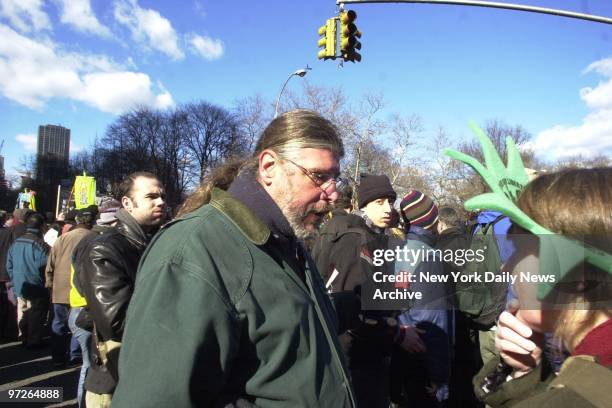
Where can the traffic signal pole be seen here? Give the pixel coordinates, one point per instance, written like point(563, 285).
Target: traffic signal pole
point(490, 4)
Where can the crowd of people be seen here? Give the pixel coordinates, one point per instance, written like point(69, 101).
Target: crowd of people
point(259, 291)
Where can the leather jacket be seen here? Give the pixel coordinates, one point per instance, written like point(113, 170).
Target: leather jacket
point(108, 274)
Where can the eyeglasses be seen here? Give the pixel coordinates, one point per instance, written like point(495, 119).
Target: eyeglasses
point(321, 180)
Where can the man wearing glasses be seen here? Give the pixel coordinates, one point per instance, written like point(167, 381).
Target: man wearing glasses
point(229, 309)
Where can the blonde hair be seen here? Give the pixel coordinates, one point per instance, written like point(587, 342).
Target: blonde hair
point(576, 203)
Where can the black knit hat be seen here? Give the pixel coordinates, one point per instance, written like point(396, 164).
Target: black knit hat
point(374, 187)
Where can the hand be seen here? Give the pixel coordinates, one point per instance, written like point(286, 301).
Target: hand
point(518, 345)
point(49, 284)
point(411, 342)
point(432, 389)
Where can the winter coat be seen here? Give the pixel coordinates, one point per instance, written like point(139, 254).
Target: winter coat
point(57, 273)
point(223, 312)
point(583, 380)
point(78, 255)
point(453, 239)
point(346, 245)
point(434, 312)
point(107, 278)
point(25, 263)
point(109, 272)
point(6, 239)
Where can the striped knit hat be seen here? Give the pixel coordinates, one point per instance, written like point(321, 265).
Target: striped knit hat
point(419, 209)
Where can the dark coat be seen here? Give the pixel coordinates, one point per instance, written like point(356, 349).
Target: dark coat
point(6, 239)
point(339, 247)
point(453, 238)
point(582, 382)
point(107, 276)
point(219, 314)
point(434, 312)
point(346, 244)
point(7, 236)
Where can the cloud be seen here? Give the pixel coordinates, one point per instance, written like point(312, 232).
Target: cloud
point(208, 48)
point(149, 26)
point(28, 141)
point(602, 67)
point(199, 8)
point(33, 72)
point(78, 13)
point(25, 14)
point(594, 135)
point(130, 89)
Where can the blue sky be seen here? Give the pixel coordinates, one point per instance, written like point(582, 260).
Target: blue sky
point(80, 63)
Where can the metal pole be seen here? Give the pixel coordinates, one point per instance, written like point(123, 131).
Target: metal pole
point(59, 190)
point(281, 93)
point(508, 6)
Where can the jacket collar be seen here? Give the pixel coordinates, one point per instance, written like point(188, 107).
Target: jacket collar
point(246, 189)
point(129, 228)
point(246, 221)
point(452, 231)
point(368, 223)
point(417, 233)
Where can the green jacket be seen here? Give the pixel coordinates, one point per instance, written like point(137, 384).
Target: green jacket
point(218, 315)
point(581, 382)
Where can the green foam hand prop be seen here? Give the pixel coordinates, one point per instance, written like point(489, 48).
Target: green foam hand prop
point(558, 254)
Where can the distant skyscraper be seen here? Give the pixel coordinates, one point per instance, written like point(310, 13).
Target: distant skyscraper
point(3, 182)
point(54, 141)
point(52, 154)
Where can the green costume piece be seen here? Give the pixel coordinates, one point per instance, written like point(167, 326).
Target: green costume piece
point(558, 254)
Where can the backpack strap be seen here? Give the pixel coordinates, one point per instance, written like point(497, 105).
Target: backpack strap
point(485, 227)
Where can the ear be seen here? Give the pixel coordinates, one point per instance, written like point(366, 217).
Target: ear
point(269, 166)
point(126, 202)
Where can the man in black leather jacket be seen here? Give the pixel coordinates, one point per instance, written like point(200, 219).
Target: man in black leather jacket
point(109, 271)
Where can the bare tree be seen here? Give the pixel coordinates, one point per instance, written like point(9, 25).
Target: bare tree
point(497, 132)
point(252, 115)
point(366, 132)
point(403, 131)
point(581, 162)
point(211, 136)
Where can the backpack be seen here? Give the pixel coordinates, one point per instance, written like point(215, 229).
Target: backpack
point(482, 302)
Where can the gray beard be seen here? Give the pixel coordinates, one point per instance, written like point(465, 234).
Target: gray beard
point(295, 218)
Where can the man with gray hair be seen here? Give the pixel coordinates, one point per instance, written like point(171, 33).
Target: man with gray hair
point(229, 309)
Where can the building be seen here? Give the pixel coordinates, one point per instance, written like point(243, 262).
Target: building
point(54, 141)
point(3, 182)
point(52, 153)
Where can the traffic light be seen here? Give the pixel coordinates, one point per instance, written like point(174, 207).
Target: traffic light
point(348, 36)
point(328, 40)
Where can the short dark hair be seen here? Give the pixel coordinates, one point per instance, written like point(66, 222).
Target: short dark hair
point(126, 186)
point(449, 216)
point(34, 220)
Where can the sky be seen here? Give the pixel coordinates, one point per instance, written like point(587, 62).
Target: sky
point(81, 63)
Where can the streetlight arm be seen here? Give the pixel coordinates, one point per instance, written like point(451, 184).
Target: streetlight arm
point(281, 93)
point(491, 4)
